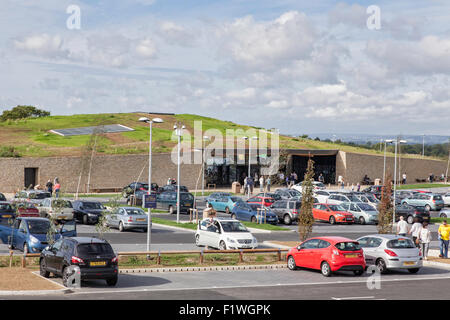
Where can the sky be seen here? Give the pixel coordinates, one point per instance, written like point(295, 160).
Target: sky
point(303, 67)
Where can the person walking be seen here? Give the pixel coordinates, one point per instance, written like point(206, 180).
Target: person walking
point(250, 183)
point(404, 178)
point(414, 232)
point(444, 236)
point(49, 186)
point(321, 178)
point(56, 188)
point(358, 187)
point(261, 184)
point(268, 183)
point(424, 237)
point(245, 185)
point(402, 227)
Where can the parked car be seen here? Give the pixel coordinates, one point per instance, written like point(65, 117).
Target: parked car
point(172, 188)
point(95, 258)
point(87, 211)
point(168, 201)
point(254, 213)
point(362, 212)
point(444, 213)
point(58, 209)
point(374, 190)
point(368, 198)
point(6, 211)
point(288, 194)
point(446, 199)
point(273, 195)
point(332, 213)
point(327, 254)
point(339, 198)
point(286, 210)
point(316, 186)
point(126, 218)
point(224, 234)
point(388, 251)
point(133, 187)
point(430, 201)
point(266, 201)
point(222, 201)
point(29, 234)
point(410, 212)
point(322, 195)
point(26, 209)
point(34, 196)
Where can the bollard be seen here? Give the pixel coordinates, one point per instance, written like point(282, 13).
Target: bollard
point(241, 256)
point(158, 261)
point(279, 254)
point(24, 261)
point(10, 257)
point(201, 257)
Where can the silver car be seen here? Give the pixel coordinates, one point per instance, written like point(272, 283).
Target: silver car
point(362, 212)
point(388, 251)
point(125, 218)
point(444, 213)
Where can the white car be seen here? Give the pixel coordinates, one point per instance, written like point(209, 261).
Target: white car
point(322, 195)
point(316, 184)
point(49, 208)
point(446, 198)
point(340, 198)
point(224, 234)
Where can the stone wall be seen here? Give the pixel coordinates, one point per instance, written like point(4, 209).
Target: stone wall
point(108, 171)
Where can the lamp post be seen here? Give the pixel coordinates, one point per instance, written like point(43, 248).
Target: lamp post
point(205, 138)
point(384, 166)
point(423, 145)
point(249, 157)
point(149, 219)
point(397, 142)
point(178, 127)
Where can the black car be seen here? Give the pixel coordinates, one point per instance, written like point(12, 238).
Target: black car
point(173, 187)
point(95, 258)
point(138, 186)
point(87, 211)
point(410, 212)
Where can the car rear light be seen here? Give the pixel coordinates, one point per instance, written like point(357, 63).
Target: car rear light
point(391, 253)
point(130, 219)
point(76, 260)
point(295, 212)
point(114, 260)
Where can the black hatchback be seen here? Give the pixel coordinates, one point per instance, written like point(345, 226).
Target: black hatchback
point(95, 257)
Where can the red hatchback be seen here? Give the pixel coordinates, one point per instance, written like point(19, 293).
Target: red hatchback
point(26, 209)
point(267, 201)
point(328, 254)
point(331, 213)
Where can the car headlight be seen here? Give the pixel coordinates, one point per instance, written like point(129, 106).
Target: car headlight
point(339, 215)
point(231, 240)
point(255, 240)
point(34, 240)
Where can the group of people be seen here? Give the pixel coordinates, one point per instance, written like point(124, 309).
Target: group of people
point(52, 187)
point(421, 235)
point(171, 181)
point(249, 184)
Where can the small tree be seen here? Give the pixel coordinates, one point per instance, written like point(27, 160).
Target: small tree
point(58, 206)
point(306, 218)
point(385, 208)
point(111, 207)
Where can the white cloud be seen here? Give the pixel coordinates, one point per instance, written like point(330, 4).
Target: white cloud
point(41, 45)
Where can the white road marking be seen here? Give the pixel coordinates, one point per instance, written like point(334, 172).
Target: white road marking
point(353, 298)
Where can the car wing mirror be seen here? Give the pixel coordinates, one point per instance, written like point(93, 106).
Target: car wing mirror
point(299, 247)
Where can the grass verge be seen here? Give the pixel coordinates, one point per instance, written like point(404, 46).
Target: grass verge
point(422, 185)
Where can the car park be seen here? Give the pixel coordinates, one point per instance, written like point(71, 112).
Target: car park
point(168, 201)
point(87, 212)
point(430, 201)
point(224, 234)
point(221, 201)
point(409, 212)
point(30, 234)
point(26, 209)
point(327, 254)
point(58, 209)
point(262, 201)
point(362, 212)
point(95, 258)
point(254, 213)
point(126, 218)
point(34, 196)
point(286, 210)
point(388, 251)
point(332, 213)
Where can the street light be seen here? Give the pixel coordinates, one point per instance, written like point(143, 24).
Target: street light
point(397, 142)
point(249, 156)
point(149, 220)
point(178, 127)
point(384, 166)
point(205, 138)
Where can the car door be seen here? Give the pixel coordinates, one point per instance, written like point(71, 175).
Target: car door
point(21, 236)
point(305, 254)
point(370, 246)
point(51, 253)
point(320, 254)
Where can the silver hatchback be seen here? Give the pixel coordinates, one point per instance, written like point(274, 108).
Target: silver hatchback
point(388, 251)
point(125, 218)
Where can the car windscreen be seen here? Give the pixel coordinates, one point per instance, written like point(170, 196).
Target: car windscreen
point(366, 207)
point(295, 205)
point(348, 246)
point(134, 212)
point(233, 226)
point(92, 205)
point(38, 226)
point(402, 243)
point(294, 193)
point(64, 203)
point(336, 207)
point(6, 207)
point(235, 199)
point(87, 249)
point(40, 195)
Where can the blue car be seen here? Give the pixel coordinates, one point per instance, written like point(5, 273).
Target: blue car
point(30, 234)
point(254, 213)
point(222, 201)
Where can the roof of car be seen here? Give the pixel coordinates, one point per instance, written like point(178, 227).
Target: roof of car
point(334, 239)
point(384, 236)
point(129, 208)
point(88, 240)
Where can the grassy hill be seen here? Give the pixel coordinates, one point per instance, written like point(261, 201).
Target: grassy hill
point(31, 137)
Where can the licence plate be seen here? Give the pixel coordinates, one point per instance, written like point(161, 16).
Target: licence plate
point(409, 263)
point(351, 255)
point(188, 204)
point(62, 217)
point(349, 219)
point(6, 216)
point(140, 219)
point(97, 263)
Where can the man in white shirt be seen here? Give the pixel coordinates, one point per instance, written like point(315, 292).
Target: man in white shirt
point(415, 229)
point(402, 227)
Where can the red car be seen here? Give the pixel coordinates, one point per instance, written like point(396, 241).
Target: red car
point(26, 209)
point(267, 201)
point(332, 213)
point(328, 254)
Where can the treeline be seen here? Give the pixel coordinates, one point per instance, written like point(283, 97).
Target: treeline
point(23, 112)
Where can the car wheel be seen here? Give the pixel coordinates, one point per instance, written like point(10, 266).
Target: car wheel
point(443, 215)
point(227, 210)
point(112, 282)
point(325, 269)
point(121, 226)
point(171, 210)
point(358, 272)
point(332, 220)
point(253, 219)
point(43, 269)
point(410, 219)
point(233, 216)
point(222, 245)
point(362, 220)
point(287, 219)
point(85, 219)
point(291, 263)
point(381, 265)
point(427, 207)
point(414, 270)
point(65, 277)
